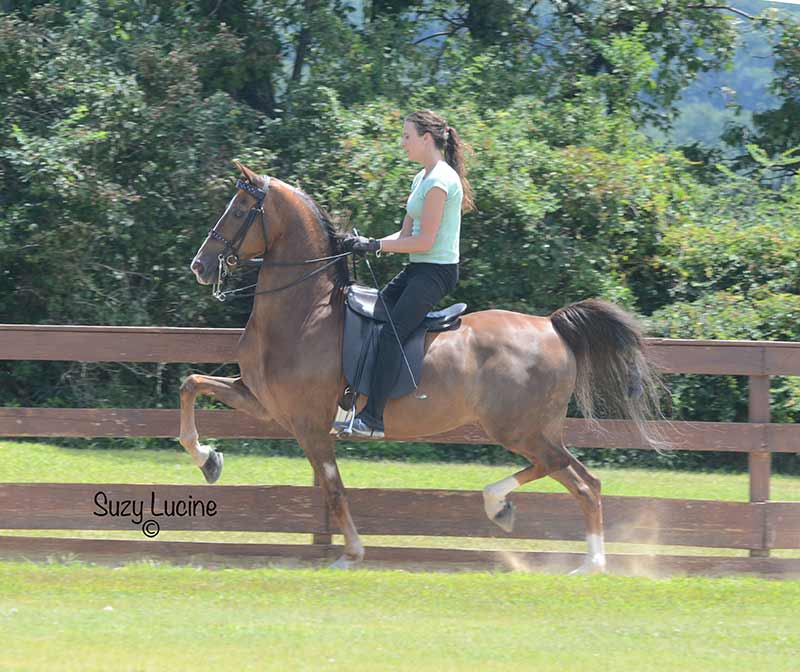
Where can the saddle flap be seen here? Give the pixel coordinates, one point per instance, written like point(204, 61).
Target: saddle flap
point(359, 347)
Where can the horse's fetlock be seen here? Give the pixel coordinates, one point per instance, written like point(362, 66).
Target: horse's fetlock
point(355, 553)
point(492, 502)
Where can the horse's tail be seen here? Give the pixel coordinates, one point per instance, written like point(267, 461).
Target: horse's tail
point(613, 369)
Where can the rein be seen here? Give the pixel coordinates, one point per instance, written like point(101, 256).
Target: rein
point(223, 295)
point(229, 257)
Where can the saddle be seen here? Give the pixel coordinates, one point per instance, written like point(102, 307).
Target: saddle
point(364, 317)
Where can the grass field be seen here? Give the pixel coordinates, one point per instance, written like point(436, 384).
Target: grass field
point(37, 462)
point(144, 617)
point(67, 615)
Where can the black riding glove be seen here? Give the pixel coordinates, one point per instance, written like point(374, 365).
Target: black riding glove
point(348, 241)
point(367, 245)
point(360, 244)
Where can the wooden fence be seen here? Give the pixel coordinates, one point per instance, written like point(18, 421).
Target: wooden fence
point(758, 525)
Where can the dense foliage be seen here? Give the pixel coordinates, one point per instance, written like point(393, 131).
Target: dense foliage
point(121, 118)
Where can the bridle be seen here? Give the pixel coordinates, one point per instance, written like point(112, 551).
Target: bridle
point(230, 254)
point(229, 257)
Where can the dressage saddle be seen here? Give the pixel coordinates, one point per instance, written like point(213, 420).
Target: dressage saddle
point(364, 317)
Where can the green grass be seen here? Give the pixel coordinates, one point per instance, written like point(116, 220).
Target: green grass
point(32, 462)
point(180, 618)
point(149, 616)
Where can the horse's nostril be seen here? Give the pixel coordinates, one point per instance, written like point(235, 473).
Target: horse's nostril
point(197, 267)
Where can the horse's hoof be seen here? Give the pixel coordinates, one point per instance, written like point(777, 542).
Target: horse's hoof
point(343, 563)
point(213, 466)
point(505, 518)
point(589, 567)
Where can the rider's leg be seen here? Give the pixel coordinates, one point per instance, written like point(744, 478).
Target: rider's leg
point(394, 288)
point(424, 289)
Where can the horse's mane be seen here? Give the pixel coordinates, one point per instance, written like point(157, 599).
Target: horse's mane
point(335, 235)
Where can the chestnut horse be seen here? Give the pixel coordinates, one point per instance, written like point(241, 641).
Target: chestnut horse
point(509, 373)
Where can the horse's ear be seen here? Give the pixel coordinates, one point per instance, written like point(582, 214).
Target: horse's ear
point(248, 174)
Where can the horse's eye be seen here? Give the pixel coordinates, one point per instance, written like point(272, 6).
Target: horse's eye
point(238, 212)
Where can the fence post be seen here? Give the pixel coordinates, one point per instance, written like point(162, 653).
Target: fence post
point(323, 539)
point(760, 459)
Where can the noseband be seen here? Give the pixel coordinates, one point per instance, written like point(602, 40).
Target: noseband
point(229, 257)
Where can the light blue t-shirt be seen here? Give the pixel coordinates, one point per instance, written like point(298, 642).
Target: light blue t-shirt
point(445, 246)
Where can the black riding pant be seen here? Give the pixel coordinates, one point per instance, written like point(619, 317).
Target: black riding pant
point(410, 295)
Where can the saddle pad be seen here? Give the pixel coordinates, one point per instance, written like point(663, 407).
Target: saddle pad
point(361, 337)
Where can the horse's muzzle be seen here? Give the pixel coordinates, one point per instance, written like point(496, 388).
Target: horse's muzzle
point(203, 272)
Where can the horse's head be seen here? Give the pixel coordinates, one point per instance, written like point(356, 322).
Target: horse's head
point(241, 233)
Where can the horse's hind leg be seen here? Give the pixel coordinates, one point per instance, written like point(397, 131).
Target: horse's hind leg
point(230, 391)
point(545, 456)
point(586, 489)
point(552, 459)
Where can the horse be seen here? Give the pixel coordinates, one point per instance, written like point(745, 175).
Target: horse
point(510, 373)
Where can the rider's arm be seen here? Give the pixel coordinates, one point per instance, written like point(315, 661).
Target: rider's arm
point(404, 232)
point(432, 213)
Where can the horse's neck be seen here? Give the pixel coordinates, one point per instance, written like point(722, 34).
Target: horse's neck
point(291, 307)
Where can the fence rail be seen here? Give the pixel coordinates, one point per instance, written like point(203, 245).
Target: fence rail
point(163, 423)
point(194, 345)
point(401, 512)
point(758, 525)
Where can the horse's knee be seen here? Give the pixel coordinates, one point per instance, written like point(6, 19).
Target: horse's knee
point(330, 472)
point(332, 485)
point(189, 385)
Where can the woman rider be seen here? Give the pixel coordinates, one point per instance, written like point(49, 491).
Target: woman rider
point(430, 234)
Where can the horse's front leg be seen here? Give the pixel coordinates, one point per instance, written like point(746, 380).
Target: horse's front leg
point(320, 450)
point(230, 391)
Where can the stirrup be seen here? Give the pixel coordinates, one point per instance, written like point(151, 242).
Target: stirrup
point(343, 422)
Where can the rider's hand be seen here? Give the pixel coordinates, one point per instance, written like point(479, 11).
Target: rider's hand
point(366, 245)
point(348, 241)
point(360, 244)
